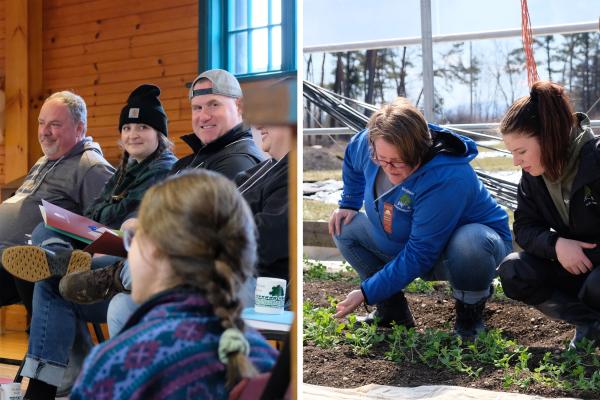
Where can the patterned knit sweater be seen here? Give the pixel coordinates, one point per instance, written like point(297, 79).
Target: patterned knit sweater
point(167, 350)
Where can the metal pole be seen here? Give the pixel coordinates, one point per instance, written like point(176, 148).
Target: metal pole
point(455, 37)
point(427, 50)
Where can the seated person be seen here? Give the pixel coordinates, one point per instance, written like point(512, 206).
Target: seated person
point(188, 260)
point(146, 158)
point(557, 220)
point(427, 215)
point(265, 188)
point(71, 174)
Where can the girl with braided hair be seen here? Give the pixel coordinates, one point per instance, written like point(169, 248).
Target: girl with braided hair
point(557, 220)
point(193, 248)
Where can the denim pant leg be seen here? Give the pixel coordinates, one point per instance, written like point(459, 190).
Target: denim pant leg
point(126, 276)
point(121, 307)
point(53, 329)
point(49, 239)
point(358, 247)
point(469, 261)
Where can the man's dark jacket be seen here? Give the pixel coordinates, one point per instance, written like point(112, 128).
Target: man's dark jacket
point(536, 213)
point(265, 188)
point(229, 154)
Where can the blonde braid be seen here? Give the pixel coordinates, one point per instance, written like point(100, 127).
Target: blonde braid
point(203, 226)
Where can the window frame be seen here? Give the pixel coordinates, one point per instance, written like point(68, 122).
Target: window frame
point(213, 47)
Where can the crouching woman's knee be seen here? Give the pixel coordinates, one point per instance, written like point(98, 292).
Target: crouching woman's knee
point(590, 291)
point(518, 278)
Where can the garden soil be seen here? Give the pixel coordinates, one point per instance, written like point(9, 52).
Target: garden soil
point(339, 367)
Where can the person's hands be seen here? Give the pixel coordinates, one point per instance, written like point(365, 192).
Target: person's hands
point(570, 255)
point(337, 217)
point(130, 223)
point(354, 299)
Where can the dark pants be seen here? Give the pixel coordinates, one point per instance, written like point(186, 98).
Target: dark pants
point(532, 280)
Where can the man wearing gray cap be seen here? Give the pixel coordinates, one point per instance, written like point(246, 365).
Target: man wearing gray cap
point(220, 143)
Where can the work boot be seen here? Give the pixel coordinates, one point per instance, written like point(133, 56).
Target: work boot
point(570, 309)
point(394, 309)
point(469, 319)
point(94, 285)
point(33, 263)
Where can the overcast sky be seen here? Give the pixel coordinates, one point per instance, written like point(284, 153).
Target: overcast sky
point(342, 21)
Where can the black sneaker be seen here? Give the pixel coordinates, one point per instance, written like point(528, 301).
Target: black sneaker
point(33, 263)
point(93, 286)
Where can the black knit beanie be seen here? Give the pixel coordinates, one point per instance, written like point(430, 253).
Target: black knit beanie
point(144, 107)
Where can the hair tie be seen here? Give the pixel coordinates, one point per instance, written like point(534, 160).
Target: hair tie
point(232, 341)
point(533, 95)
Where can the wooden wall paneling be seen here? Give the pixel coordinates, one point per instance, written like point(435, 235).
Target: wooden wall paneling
point(23, 73)
point(99, 67)
point(36, 87)
point(16, 111)
point(91, 11)
point(123, 27)
point(80, 54)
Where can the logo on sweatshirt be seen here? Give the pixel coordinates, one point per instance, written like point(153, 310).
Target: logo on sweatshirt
point(405, 202)
point(588, 198)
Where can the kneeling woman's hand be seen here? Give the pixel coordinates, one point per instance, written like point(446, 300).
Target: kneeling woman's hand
point(354, 299)
point(339, 216)
point(570, 255)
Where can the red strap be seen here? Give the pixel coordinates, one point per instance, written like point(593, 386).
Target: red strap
point(527, 38)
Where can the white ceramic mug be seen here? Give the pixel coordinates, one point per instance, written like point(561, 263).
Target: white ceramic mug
point(269, 297)
point(11, 391)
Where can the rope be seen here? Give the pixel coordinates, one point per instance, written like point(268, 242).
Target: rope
point(527, 38)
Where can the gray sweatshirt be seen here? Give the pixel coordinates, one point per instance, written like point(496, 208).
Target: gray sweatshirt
point(72, 182)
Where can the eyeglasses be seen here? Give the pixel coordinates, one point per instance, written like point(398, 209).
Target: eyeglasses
point(128, 235)
point(391, 164)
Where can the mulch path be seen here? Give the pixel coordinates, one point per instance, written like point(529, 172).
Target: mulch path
point(339, 367)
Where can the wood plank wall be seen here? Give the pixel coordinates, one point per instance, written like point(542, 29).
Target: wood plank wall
point(103, 50)
point(2, 75)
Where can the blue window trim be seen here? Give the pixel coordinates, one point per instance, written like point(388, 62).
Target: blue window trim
point(212, 38)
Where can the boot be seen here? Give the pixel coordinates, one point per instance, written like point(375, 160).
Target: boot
point(469, 319)
point(39, 390)
point(570, 309)
point(394, 309)
point(92, 286)
point(33, 263)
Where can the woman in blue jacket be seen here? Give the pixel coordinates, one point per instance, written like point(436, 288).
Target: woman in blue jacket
point(426, 215)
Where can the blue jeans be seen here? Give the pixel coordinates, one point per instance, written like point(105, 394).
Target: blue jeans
point(53, 328)
point(468, 261)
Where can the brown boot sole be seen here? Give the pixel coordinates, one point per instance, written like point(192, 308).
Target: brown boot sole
point(30, 263)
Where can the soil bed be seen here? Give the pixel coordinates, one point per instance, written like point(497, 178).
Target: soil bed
point(340, 367)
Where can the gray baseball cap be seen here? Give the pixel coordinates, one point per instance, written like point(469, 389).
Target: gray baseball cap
point(223, 83)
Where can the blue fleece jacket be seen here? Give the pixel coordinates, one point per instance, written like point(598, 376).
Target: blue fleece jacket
point(442, 195)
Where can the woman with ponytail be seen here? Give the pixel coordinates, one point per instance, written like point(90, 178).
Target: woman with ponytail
point(192, 250)
point(557, 220)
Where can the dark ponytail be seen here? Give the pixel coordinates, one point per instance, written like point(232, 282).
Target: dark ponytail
point(547, 115)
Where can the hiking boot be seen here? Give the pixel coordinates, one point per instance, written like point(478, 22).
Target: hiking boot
point(395, 309)
point(590, 332)
point(563, 307)
point(93, 286)
point(469, 319)
point(33, 263)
